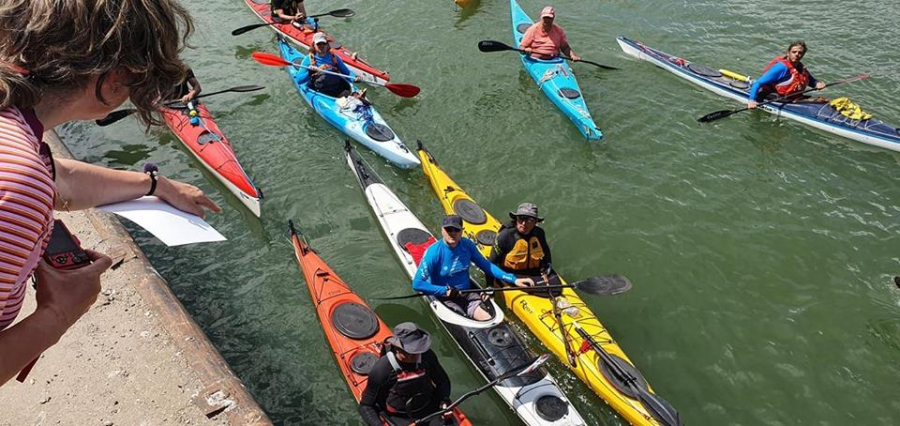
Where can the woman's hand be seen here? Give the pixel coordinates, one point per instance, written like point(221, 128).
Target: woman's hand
point(69, 293)
point(752, 105)
point(185, 197)
point(820, 85)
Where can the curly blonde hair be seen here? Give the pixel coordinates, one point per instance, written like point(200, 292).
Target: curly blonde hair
point(61, 44)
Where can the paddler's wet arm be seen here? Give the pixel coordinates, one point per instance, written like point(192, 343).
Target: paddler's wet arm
point(774, 75)
point(342, 67)
point(422, 281)
point(489, 268)
point(375, 394)
point(303, 72)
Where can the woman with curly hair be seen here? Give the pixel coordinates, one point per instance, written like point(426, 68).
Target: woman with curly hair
point(62, 61)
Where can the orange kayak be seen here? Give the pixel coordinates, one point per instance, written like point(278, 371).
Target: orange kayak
point(354, 332)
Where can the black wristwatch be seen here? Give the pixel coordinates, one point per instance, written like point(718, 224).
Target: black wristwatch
point(152, 170)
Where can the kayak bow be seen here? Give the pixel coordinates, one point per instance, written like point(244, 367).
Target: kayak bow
point(731, 85)
point(492, 346)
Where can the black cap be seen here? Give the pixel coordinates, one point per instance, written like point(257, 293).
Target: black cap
point(410, 338)
point(452, 221)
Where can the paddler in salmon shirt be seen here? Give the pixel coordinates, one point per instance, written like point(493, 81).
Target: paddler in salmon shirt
point(545, 40)
point(784, 75)
point(407, 382)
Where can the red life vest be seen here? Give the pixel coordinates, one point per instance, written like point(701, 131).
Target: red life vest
point(797, 83)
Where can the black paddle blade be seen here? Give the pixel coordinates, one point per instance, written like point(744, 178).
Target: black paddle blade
point(659, 408)
point(493, 46)
point(606, 67)
point(114, 117)
point(897, 281)
point(604, 285)
point(342, 13)
point(248, 88)
point(713, 116)
point(408, 296)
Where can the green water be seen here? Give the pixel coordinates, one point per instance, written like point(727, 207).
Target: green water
point(761, 251)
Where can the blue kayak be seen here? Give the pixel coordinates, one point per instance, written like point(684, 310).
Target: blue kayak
point(816, 113)
point(362, 123)
point(555, 78)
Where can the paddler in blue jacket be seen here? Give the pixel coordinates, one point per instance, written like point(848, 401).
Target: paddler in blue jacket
point(444, 270)
point(784, 75)
point(321, 57)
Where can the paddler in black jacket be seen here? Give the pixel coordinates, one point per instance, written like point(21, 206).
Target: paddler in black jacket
point(407, 383)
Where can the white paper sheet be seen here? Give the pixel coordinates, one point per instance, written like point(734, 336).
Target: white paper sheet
point(172, 226)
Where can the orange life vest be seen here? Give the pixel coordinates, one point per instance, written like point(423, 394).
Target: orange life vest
point(797, 83)
point(525, 254)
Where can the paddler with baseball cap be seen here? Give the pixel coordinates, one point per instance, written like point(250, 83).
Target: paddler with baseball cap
point(545, 40)
point(444, 270)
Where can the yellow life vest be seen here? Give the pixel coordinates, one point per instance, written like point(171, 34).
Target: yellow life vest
point(525, 254)
point(849, 109)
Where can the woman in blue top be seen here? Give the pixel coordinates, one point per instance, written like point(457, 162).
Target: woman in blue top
point(444, 270)
point(321, 58)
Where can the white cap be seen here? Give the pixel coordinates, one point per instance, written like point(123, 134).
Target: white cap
point(320, 38)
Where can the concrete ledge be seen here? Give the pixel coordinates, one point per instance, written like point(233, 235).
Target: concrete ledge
point(137, 357)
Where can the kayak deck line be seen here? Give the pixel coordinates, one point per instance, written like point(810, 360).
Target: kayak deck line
point(819, 115)
point(366, 127)
point(216, 156)
point(355, 333)
point(302, 37)
point(537, 311)
point(492, 350)
point(555, 78)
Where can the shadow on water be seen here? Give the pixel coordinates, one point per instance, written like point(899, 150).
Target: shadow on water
point(465, 13)
point(129, 155)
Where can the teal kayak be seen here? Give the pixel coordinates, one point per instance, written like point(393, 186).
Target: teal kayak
point(556, 79)
point(362, 123)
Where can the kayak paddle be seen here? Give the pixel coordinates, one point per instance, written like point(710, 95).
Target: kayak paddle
point(272, 60)
point(339, 13)
point(496, 46)
point(601, 285)
point(713, 116)
point(557, 315)
point(659, 408)
point(517, 371)
point(176, 104)
point(897, 281)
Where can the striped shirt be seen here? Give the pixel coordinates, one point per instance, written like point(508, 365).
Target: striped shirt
point(27, 196)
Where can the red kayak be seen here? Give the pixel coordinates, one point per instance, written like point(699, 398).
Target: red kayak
point(302, 37)
point(210, 146)
point(353, 330)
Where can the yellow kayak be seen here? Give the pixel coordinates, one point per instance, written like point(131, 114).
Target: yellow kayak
point(537, 311)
